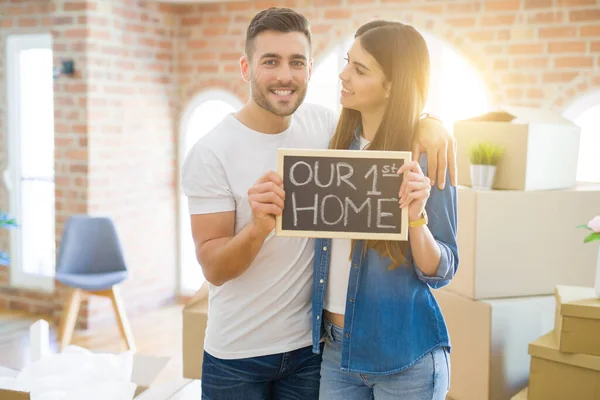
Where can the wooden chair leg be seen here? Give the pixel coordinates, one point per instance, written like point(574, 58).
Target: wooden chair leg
point(124, 326)
point(69, 318)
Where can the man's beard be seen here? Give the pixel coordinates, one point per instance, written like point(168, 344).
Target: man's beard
point(261, 99)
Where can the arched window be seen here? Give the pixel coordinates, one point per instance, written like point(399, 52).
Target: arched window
point(205, 111)
point(585, 112)
point(456, 91)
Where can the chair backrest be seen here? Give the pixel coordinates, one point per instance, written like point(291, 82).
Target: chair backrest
point(90, 245)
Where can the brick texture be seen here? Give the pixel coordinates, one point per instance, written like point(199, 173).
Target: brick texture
point(114, 139)
point(543, 45)
point(139, 63)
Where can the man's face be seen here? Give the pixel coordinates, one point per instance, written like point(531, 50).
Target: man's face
point(279, 70)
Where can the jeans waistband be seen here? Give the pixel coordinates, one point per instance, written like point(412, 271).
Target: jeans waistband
point(334, 332)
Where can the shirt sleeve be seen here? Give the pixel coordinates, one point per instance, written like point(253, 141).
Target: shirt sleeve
point(204, 182)
point(441, 210)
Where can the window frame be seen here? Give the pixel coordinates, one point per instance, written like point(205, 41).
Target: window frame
point(16, 43)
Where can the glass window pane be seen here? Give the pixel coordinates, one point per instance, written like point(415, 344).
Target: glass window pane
point(37, 113)
point(323, 87)
point(588, 169)
point(37, 227)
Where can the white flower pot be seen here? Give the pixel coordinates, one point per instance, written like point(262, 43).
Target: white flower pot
point(482, 176)
point(597, 283)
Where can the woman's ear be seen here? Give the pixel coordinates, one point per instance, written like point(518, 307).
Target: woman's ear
point(388, 89)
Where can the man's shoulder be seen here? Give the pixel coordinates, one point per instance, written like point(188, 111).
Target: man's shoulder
point(216, 138)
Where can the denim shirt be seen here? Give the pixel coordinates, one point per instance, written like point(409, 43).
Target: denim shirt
point(391, 318)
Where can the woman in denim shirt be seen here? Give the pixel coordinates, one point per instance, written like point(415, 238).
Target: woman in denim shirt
point(385, 335)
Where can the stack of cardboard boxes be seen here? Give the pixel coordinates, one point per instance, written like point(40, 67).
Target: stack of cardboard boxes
point(516, 244)
point(565, 363)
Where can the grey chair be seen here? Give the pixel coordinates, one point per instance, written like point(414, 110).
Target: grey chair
point(91, 263)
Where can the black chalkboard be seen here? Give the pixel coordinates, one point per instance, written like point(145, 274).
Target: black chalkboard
point(342, 193)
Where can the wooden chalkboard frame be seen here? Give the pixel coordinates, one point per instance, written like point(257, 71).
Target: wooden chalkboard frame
point(400, 155)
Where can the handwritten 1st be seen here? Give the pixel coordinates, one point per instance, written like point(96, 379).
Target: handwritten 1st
point(302, 173)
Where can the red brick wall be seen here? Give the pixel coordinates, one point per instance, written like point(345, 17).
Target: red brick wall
point(18, 17)
point(132, 106)
point(529, 52)
point(115, 143)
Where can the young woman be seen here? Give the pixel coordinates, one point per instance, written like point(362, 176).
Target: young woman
point(385, 335)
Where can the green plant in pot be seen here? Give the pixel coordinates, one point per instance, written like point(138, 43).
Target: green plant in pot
point(484, 157)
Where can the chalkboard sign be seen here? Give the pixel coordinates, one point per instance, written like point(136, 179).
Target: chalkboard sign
point(342, 194)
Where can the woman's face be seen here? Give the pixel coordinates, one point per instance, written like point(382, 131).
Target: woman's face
point(364, 86)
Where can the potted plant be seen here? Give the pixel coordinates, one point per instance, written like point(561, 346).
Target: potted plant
point(6, 222)
point(594, 227)
point(483, 157)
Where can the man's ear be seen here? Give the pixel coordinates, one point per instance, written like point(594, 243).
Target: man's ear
point(310, 68)
point(245, 68)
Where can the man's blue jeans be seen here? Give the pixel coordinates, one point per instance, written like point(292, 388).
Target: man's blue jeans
point(294, 375)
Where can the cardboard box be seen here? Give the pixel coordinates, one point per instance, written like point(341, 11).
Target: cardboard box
point(518, 243)
point(558, 376)
point(577, 320)
point(540, 148)
point(522, 395)
point(145, 370)
point(195, 318)
point(489, 342)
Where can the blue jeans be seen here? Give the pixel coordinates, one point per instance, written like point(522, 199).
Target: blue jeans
point(427, 379)
point(293, 375)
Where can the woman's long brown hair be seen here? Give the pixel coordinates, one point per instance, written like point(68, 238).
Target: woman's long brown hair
point(403, 56)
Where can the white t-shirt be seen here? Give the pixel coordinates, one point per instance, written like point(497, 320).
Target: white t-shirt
point(339, 269)
point(267, 309)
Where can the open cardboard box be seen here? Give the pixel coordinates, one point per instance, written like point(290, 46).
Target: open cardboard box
point(144, 371)
point(195, 318)
point(540, 148)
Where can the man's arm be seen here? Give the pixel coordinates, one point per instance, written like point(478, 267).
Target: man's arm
point(225, 255)
point(440, 146)
point(222, 254)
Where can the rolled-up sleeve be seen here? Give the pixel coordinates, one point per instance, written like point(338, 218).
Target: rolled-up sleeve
point(441, 210)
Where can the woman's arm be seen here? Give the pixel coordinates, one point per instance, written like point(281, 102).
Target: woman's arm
point(433, 245)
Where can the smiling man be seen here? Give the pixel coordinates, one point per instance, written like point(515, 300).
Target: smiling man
point(258, 338)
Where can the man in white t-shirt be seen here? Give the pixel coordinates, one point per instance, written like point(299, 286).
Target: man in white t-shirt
point(258, 337)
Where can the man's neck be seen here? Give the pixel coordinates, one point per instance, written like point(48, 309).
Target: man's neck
point(261, 120)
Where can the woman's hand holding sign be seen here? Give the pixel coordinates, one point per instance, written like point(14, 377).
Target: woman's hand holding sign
point(266, 200)
point(415, 190)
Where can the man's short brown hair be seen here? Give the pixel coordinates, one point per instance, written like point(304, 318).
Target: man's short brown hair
point(276, 19)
